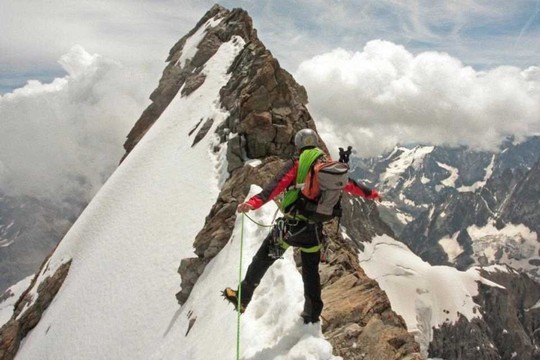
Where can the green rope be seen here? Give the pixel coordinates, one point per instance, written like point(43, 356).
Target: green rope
point(239, 290)
point(258, 223)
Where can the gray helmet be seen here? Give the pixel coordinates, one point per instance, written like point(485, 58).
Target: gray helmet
point(306, 138)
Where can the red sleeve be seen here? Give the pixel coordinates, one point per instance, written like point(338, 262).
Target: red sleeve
point(285, 178)
point(354, 188)
point(255, 201)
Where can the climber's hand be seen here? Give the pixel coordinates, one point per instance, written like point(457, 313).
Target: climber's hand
point(244, 207)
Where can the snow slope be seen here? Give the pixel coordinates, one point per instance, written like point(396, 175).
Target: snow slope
point(408, 157)
point(118, 300)
point(271, 327)
point(425, 296)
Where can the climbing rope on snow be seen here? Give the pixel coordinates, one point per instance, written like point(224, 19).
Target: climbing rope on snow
point(263, 225)
point(239, 289)
point(239, 294)
point(256, 222)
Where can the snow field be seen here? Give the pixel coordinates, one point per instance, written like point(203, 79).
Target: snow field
point(425, 296)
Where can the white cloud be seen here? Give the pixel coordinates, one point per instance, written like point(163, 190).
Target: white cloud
point(62, 139)
point(384, 94)
point(35, 34)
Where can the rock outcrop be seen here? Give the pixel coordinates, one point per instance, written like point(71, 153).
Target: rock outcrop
point(523, 203)
point(28, 311)
point(357, 318)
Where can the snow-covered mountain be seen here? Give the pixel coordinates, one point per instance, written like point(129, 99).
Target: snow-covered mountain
point(467, 209)
point(415, 178)
point(221, 124)
point(496, 224)
point(462, 207)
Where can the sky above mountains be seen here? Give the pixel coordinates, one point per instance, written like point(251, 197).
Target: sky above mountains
point(74, 77)
point(482, 34)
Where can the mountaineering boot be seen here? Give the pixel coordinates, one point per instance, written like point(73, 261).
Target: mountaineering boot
point(312, 311)
point(232, 296)
point(309, 319)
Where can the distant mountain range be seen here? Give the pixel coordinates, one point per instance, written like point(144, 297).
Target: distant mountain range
point(30, 229)
point(460, 207)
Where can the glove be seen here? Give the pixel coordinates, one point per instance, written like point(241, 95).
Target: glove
point(244, 207)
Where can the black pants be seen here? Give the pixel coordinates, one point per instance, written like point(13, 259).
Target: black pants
point(300, 235)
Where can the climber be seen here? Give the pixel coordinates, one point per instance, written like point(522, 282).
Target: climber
point(297, 228)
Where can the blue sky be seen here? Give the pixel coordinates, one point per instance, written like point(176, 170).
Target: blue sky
point(483, 34)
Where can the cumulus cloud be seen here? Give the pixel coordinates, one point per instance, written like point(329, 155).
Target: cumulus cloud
point(62, 139)
point(385, 95)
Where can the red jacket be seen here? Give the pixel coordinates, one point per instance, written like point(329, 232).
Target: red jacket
point(287, 177)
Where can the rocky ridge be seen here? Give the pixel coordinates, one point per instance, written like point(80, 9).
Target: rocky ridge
point(266, 108)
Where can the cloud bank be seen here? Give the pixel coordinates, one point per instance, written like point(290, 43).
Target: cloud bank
point(62, 139)
point(385, 95)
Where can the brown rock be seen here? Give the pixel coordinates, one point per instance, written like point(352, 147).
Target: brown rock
point(25, 319)
point(193, 83)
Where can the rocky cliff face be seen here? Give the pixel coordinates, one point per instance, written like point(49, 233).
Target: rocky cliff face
point(266, 108)
point(358, 318)
point(524, 201)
